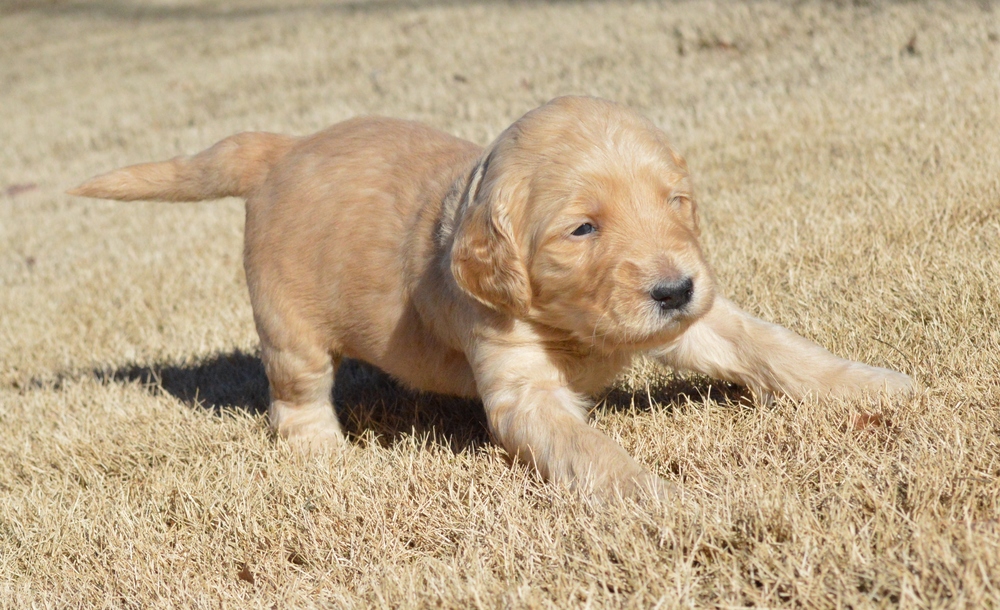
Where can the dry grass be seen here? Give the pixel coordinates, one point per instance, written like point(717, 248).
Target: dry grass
point(848, 161)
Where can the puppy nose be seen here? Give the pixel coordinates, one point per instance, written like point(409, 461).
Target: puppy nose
point(673, 294)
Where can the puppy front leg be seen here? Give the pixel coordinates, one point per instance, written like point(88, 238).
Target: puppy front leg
point(540, 421)
point(730, 344)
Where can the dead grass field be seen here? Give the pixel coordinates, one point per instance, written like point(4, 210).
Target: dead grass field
point(847, 158)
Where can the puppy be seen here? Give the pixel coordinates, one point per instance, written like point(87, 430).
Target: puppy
point(528, 274)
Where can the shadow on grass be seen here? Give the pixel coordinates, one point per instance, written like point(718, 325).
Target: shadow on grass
point(369, 401)
point(668, 392)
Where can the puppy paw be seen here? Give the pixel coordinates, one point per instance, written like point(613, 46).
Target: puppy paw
point(315, 441)
point(640, 486)
point(652, 486)
point(872, 379)
point(307, 428)
point(898, 383)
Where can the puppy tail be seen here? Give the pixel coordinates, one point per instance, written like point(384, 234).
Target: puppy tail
point(235, 167)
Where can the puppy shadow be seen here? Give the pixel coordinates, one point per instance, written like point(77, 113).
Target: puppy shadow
point(665, 391)
point(373, 407)
point(233, 380)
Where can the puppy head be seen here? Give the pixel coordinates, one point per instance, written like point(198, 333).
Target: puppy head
point(581, 217)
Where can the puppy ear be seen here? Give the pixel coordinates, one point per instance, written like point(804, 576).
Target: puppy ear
point(687, 202)
point(485, 260)
point(689, 205)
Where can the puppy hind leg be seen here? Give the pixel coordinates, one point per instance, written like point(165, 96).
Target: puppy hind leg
point(301, 408)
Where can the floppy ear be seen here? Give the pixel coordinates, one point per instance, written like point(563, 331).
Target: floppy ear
point(689, 207)
point(686, 203)
point(485, 260)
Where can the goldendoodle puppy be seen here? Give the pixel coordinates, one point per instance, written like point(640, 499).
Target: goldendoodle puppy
point(528, 274)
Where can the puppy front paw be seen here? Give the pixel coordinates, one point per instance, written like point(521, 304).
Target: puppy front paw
point(634, 484)
point(650, 486)
point(872, 379)
point(899, 383)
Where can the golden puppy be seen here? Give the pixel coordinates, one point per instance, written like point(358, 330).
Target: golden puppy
point(528, 274)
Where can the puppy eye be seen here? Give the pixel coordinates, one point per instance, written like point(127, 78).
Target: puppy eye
point(584, 229)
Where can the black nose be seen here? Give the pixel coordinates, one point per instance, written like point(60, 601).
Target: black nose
point(673, 294)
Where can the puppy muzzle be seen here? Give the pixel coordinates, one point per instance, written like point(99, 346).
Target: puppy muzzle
point(673, 295)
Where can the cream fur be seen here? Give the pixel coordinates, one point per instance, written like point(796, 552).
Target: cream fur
point(456, 270)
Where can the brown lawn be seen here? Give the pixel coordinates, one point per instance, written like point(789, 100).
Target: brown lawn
point(847, 158)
